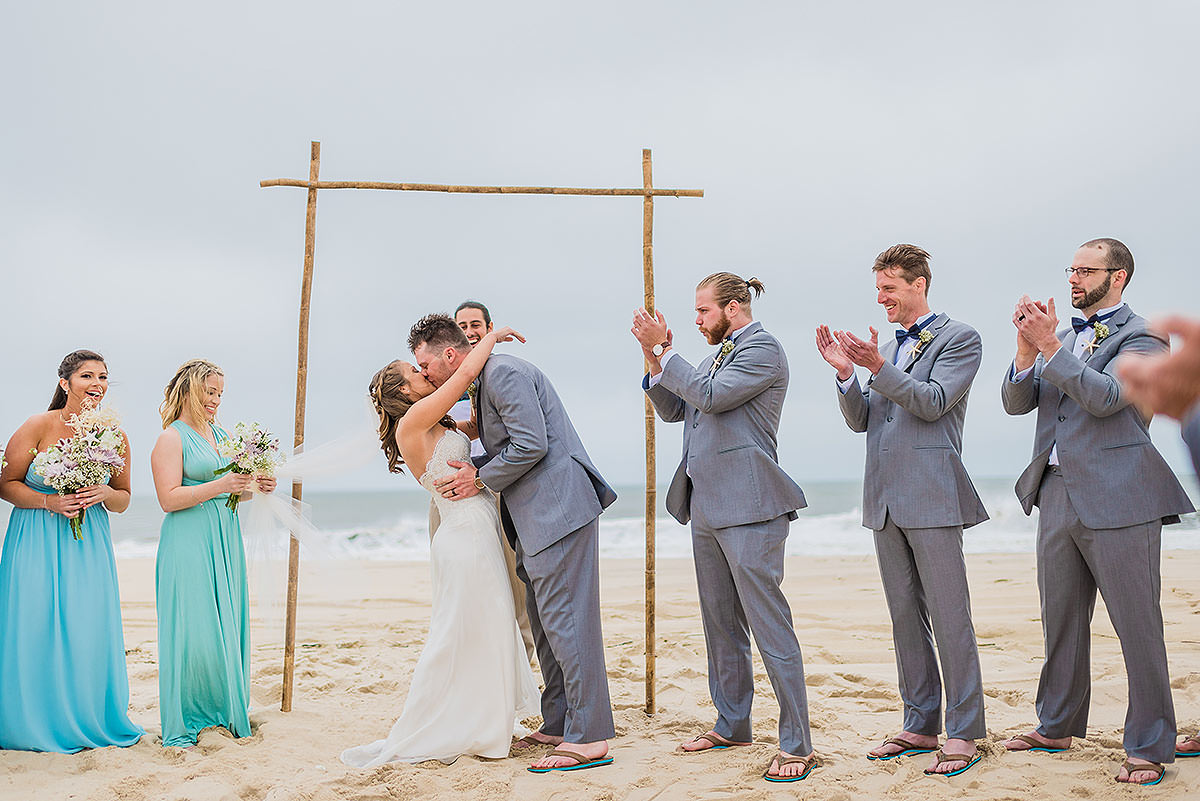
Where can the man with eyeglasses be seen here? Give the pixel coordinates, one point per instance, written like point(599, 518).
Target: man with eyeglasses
point(1104, 493)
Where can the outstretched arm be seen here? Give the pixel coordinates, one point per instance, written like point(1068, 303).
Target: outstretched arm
point(428, 411)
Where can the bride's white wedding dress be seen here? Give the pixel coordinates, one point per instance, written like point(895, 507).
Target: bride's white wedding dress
point(472, 683)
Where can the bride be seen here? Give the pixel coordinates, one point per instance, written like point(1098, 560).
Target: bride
point(472, 682)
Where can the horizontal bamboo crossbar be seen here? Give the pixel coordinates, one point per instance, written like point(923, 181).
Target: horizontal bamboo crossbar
point(485, 190)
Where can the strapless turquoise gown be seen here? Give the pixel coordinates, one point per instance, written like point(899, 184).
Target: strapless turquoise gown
point(63, 685)
point(203, 609)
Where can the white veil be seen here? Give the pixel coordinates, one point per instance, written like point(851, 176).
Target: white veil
point(269, 521)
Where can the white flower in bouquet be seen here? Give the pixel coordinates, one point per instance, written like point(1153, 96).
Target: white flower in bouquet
point(90, 458)
point(252, 451)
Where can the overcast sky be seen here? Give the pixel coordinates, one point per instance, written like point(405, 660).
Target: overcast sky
point(999, 137)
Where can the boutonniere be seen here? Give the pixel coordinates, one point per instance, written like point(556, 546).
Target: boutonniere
point(1102, 334)
point(726, 349)
point(472, 390)
point(923, 339)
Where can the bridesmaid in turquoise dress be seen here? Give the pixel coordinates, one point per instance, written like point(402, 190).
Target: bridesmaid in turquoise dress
point(203, 603)
point(63, 684)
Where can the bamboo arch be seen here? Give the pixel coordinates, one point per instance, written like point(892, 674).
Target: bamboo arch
point(647, 192)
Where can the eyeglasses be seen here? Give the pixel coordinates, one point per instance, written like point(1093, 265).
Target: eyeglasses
point(1084, 272)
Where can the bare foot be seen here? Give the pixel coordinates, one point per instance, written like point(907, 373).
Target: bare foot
point(1015, 744)
point(1188, 745)
point(890, 749)
point(1138, 776)
point(535, 739)
point(594, 750)
point(703, 743)
point(965, 747)
point(792, 769)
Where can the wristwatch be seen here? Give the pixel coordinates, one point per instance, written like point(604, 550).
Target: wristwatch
point(479, 485)
point(660, 349)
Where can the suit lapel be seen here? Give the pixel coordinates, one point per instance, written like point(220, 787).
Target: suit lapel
point(737, 343)
point(479, 406)
point(935, 328)
point(1114, 324)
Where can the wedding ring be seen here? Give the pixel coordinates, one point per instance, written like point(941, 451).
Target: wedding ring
point(1019, 319)
point(453, 492)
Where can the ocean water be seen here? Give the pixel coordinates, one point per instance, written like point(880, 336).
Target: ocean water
point(393, 525)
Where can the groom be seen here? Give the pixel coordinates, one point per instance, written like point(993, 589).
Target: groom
point(551, 497)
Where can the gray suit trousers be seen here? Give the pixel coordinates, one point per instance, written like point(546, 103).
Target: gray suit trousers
point(738, 571)
point(1074, 561)
point(563, 600)
point(925, 583)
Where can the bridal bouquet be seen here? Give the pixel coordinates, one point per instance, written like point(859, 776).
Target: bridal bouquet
point(252, 451)
point(90, 458)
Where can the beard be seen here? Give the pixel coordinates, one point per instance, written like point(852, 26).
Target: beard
point(1092, 297)
point(720, 328)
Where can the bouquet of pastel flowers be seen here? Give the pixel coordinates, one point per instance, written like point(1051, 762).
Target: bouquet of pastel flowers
point(90, 458)
point(252, 451)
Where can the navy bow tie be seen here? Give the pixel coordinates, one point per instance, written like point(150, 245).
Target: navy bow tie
point(1078, 323)
point(913, 332)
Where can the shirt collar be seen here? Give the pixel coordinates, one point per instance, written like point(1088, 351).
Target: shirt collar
point(735, 334)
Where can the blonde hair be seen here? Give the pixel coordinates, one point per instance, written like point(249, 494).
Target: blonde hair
point(728, 287)
point(391, 404)
point(185, 390)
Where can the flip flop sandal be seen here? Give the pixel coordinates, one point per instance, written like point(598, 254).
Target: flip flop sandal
point(809, 763)
point(942, 757)
point(1152, 767)
point(582, 762)
point(718, 744)
point(1195, 738)
point(1034, 745)
point(909, 748)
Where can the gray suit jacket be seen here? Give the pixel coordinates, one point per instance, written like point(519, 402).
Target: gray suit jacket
point(913, 414)
point(729, 434)
point(533, 456)
point(1114, 475)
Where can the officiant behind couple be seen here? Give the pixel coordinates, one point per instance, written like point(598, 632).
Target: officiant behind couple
point(472, 682)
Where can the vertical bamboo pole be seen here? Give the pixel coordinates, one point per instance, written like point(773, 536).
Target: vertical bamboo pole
point(651, 488)
point(310, 237)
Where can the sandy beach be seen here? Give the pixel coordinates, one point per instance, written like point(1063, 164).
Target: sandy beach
point(361, 627)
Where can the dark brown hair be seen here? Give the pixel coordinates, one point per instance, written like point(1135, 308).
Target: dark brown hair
point(910, 260)
point(728, 287)
point(1116, 257)
point(391, 404)
point(438, 331)
point(67, 368)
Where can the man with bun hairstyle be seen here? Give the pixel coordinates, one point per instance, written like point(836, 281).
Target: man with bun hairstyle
point(739, 502)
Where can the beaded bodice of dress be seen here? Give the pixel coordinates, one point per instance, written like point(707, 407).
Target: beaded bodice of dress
point(452, 446)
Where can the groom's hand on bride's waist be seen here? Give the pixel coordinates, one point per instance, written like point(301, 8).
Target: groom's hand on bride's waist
point(461, 484)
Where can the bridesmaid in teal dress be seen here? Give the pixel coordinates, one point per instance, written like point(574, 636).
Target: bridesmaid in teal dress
point(63, 684)
point(203, 604)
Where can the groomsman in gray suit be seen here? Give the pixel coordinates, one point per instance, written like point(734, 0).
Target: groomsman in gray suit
point(918, 498)
point(1170, 383)
point(1104, 493)
point(739, 501)
point(551, 497)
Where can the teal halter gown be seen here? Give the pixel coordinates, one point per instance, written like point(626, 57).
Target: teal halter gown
point(63, 685)
point(203, 609)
